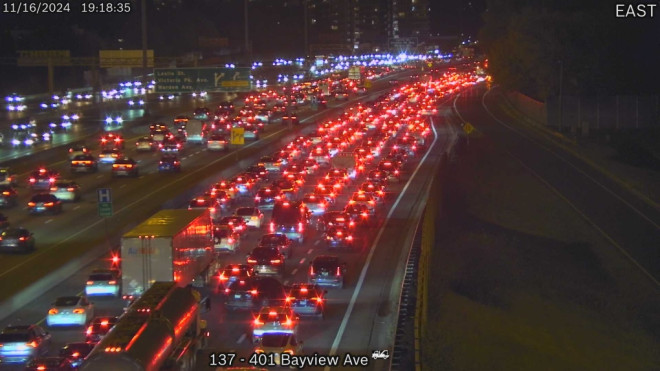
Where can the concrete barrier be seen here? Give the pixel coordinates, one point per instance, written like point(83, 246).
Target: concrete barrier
point(529, 107)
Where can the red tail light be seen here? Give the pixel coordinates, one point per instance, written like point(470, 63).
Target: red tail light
point(275, 261)
point(300, 227)
point(252, 261)
point(253, 292)
point(272, 227)
point(257, 322)
point(89, 330)
point(113, 282)
point(338, 273)
point(31, 204)
point(311, 270)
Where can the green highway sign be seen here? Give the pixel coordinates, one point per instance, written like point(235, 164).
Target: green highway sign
point(184, 80)
point(105, 209)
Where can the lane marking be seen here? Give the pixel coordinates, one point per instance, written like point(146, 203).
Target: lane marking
point(301, 261)
point(316, 243)
point(99, 176)
point(573, 206)
point(123, 185)
point(76, 207)
point(286, 282)
point(309, 251)
point(372, 249)
point(294, 270)
point(547, 149)
point(240, 339)
point(48, 221)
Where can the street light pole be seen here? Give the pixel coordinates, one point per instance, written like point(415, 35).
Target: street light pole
point(247, 36)
point(306, 31)
point(561, 85)
point(145, 73)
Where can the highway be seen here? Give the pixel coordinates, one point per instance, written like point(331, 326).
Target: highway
point(136, 197)
point(141, 197)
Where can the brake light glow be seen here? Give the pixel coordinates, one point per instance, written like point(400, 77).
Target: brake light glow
point(78, 311)
point(275, 261)
point(253, 292)
point(252, 261)
point(338, 273)
point(89, 330)
point(53, 311)
point(257, 322)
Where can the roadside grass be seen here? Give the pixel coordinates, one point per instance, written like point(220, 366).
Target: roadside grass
point(521, 282)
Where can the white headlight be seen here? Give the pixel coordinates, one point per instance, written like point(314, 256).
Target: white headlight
point(119, 120)
point(15, 142)
point(108, 120)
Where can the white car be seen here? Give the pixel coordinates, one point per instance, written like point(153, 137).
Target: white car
point(252, 215)
point(70, 310)
point(66, 190)
point(217, 142)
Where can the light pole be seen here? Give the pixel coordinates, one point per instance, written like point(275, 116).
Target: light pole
point(561, 85)
point(145, 73)
point(247, 35)
point(306, 32)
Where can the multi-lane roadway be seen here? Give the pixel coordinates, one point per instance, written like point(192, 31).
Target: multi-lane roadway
point(359, 317)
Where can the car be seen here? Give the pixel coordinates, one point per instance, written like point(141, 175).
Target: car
point(21, 343)
point(112, 140)
point(225, 186)
point(206, 202)
point(169, 163)
point(217, 142)
point(287, 187)
point(390, 169)
point(160, 134)
point(327, 270)
point(99, 327)
point(341, 95)
point(8, 196)
point(252, 215)
point(278, 343)
point(278, 240)
point(76, 352)
point(42, 178)
point(66, 190)
point(279, 319)
point(110, 155)
point(84, 163)
point(70, 310)
point(136, 103)
point(253, 293)
point(359, 214)
point(264, 115)
point(237, 224)
point(336, 218)
point(290, 118)
point(364, 198)
point(375, 189)
point(339, 237)
point(78, 149)
point(42, 203)
point(146, 144)
point(307, 300)
point(49, 364)
point(290, 218)
point(171, 146)
point(234, 272)
point(113, 120)
point(225, 239)
point(270, 163)
point(316, 204)
point(223, 199)
point(125, 167)
point(266, 260)
point(181, 119)
point(329, 194)
point(16, 239)
point(102, 282)
point(243, 183)
point(258, 172)
point(7, 177)
point(266, 197)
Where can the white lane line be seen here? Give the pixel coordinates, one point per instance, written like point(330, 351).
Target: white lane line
point(547, 149)
point(294, 270)
point(48, 221)
point(76, 207)
point(240, 339)
point(301, 261)
point(363, 274)
point(286, 282)
point(573, 206)
point(99, 176)
point(316, 243)
point(310, 250)
point(122, 186)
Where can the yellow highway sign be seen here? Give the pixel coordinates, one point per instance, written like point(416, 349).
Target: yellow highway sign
point(237, 136)
point(468, 128)
point(367, 84)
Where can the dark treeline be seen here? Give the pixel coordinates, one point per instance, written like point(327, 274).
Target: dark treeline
point(529, 42)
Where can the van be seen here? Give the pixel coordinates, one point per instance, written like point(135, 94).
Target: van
point(195, 131)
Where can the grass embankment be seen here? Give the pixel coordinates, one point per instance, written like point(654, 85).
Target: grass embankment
point(521, 282)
